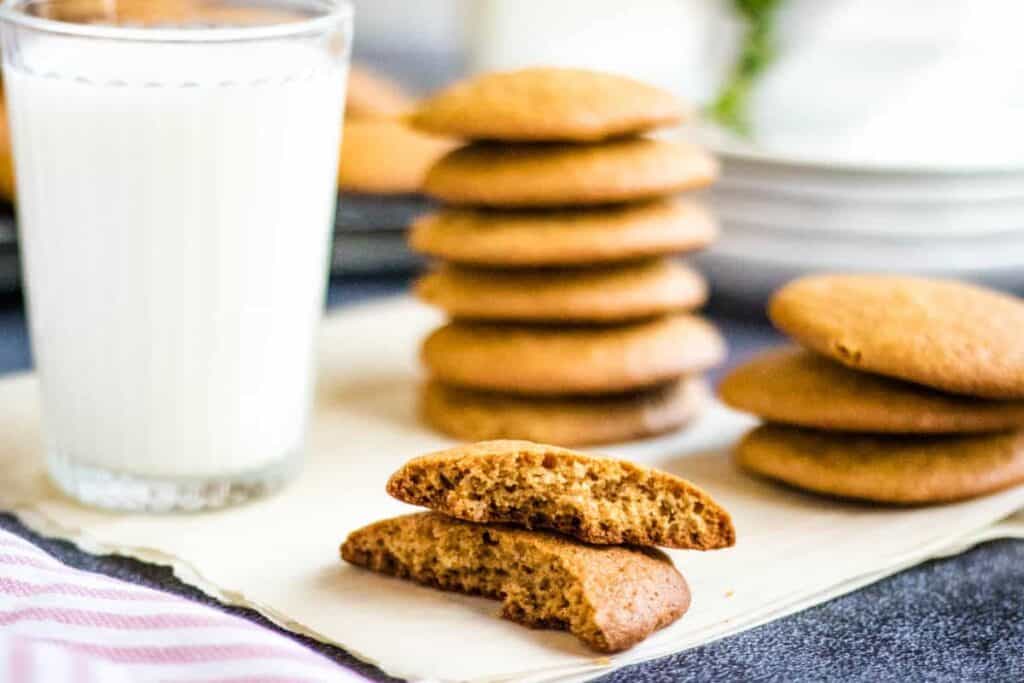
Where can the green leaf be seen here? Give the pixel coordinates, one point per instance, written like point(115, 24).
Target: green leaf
point(757, 52)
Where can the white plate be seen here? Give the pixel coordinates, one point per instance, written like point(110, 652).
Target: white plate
point(751, 279)
point(895, 186)
point(725, 144)
point(750, 261)
point(998, 253)
point(909, 220)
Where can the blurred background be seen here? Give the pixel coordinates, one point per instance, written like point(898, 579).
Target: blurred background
point(853, 134)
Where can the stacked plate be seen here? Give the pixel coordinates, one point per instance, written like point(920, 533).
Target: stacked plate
point(784, 217)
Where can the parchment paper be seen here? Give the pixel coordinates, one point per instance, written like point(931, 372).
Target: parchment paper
point(279, 555)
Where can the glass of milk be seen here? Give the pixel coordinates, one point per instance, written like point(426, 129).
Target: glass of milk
point(176, 163)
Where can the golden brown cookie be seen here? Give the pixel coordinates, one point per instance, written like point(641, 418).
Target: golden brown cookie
point(547, 104)
point(886, 469)
point(607, 294)
point(945, 334)
point(610, 597)
point(568, 175)
point(7, 189)
point(571, 237)
point(549, 360)
point(371, 95)
point(472, 415)
point(802, 388)
point(595, 499)
point(383, 156)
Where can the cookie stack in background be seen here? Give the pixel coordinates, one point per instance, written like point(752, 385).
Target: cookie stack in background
point(571, 319)
point(382, 166)
point(381, 156)
point(908, 391)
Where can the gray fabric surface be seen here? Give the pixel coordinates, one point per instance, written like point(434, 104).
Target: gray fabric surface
point(957, 619)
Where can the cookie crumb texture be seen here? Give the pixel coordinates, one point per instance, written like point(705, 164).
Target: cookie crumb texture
point(611, 598)
point(598, 500)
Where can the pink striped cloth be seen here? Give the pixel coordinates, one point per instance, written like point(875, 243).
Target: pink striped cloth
point(59, 624)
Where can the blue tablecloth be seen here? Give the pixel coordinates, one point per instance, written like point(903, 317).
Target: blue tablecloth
point(958, 619)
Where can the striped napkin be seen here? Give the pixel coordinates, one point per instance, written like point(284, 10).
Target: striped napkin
point(59, 624)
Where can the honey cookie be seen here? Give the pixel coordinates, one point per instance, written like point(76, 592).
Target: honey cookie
point(595, 499)
point(568, 175)
point(609, 597)
point(945, 334)
point(554, 360)
point(571, 237)
point(472, 415)
point(547, 105)
point(904, 470)
point(608, 294)
point(802, 388)
point(382, 156)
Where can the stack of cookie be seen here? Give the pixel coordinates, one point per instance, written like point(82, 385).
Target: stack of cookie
point(570, 318)
point(909, 390)
point(381, 156)
point(541, 528)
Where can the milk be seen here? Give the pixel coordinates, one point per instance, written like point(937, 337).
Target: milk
point(175, 211)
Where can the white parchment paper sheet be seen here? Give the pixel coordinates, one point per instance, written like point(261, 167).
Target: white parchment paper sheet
point(279, 556)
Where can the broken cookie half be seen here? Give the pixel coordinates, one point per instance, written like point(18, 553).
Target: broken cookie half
point(595, 499)
point(609, 597)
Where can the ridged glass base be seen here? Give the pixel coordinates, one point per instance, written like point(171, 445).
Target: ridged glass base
point(111, 490)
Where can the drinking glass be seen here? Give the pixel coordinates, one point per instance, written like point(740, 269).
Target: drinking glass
point(176, 165)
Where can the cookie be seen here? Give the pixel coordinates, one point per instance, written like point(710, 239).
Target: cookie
point(550, 360)
point(609, 597)
point(905, 470)
point(572, 237)
point(568, 175)
point(595, 499)
point(383, 156)
point(7, 188)
point(472, 415)
point(944, 334)
point(802, 388)
point(608, 294)
point(547, 105)
point(371, 95)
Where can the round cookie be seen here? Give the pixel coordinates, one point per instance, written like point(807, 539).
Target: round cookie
point(547, 105)
point(885, 469)
point(384, 156)
point(564, 237)
point(531, 176)
point(609, 294)
point(799, 387)
point(471, 415)
point(945, 334)
point(537, 360)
